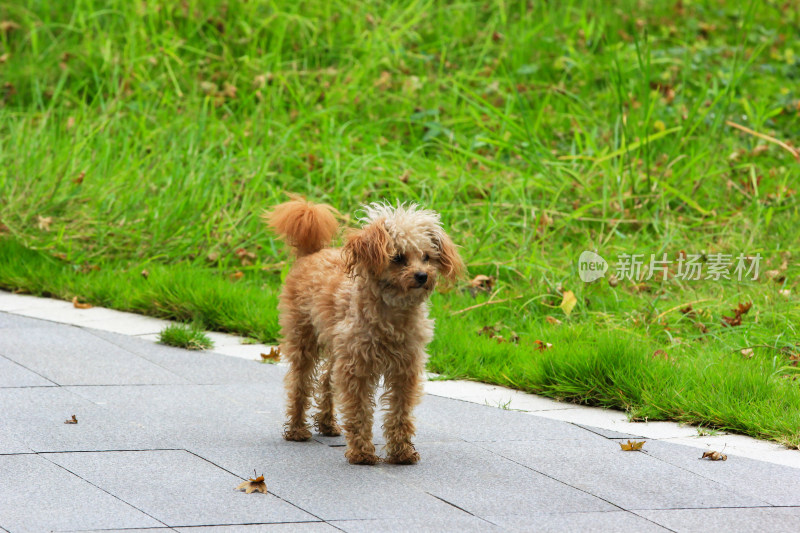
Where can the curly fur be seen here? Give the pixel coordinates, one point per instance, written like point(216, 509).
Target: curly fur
point(352, 315)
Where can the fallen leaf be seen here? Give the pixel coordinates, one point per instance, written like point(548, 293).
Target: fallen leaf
point(43, 223)
point(568, 302)
point(632, 446)
point(273, 356)
point(237, 275)
point(7, 26)
point(688, 311)
point(77, 305)
point(253, 485)
point(785, 293)
point(552, 320)
point(73, 420)
point(245, 257)
point(481, 283)
point(747, 353)
point(660, 353)
point(613, 281)
point(541, 345)
point(145, 274)
point(715, 456)
point(384, 81)
point(79, 179)
point(701, 327)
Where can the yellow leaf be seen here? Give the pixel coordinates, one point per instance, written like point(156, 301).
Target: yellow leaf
point(253, 485)
point(78, 305)
point(273, 356)
point(632, 446)
point(715, 456)
point(568, 302)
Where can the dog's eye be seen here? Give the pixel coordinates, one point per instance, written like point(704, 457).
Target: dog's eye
point(399, 259)
point(425, 258)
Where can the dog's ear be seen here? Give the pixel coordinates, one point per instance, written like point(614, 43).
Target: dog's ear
point(369, 248)
point(452, 265)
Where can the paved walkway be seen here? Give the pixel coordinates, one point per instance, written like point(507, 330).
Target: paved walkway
point(165, 435)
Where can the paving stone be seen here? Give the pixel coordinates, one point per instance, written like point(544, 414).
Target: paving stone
point(195, 415)
point(35, 417)
point(200, 367)
point(727, 520)
point(301, 527)
point(319, 480)
point(631, 480)
point(11, 321)
point(482, 483)
point(773, 484)
point(609, 433)
point(178, 488)
point(36, 495)
point(72, 356)
point(464, 524)
point(13, 374)
point(596, 522)
point(10, 445)
point(477, 423)
point(10, 301)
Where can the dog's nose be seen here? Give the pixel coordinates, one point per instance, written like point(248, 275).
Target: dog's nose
point(420, 277)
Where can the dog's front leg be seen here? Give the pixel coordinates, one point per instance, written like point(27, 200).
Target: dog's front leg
point(355, 388)
point(403, 392)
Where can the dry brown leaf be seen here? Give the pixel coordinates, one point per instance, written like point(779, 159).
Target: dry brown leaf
point(715, 456)
point(73, 420)
point(552, 320)
point(273, 356)
point(568, 302)
point(660, 353)
point(145, 274)
point(481, 283)
point(237, 275)
point(747, 353)
point(43, 223)
point(384, 81)
point(541, 345)
point(7, 26)
point(632, 445)
point(77, 305)
point(613, 281)
point(253, 485)
point(79, 179)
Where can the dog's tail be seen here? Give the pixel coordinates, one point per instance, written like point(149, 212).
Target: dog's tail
point(306, 226)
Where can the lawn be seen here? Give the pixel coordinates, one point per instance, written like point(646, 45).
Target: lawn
point(140, 142)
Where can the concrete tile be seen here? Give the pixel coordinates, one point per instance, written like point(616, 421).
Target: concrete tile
point(128, 324)
point(12, 321)
point(743, 446)
point(773, 484)
point(200, 367)
point(617, 421)
point(72, 356)
point(483, 483)
point(727, 520)
point(473, 422)
point(464, 524)
point(10, 301)
point(301, 527)
point(35, 417)
point(596, 522)
point(631, 480)
point(10, 445)
point(319, 480)
point(486, 394)
point(15, 375)
point(36, 495)
point(196, 415)
point(250, 352)
point(65, 312)
point(178, 488)
point(608, 433)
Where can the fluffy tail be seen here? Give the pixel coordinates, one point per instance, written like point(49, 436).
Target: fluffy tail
point(305, 226)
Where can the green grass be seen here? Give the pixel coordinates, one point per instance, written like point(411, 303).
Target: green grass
point(185, 336)
point(149, 137)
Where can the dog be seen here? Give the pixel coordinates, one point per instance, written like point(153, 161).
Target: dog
point(354, 314)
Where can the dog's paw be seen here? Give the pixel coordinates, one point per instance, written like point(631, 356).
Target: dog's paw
point(329, 430)
point(297, 434)
point(409, 457)
point(361, 458)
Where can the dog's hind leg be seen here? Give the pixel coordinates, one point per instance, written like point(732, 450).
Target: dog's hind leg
point(300, 349)
point(325, 419)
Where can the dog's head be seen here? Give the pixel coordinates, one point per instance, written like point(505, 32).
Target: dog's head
point(403, 250)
